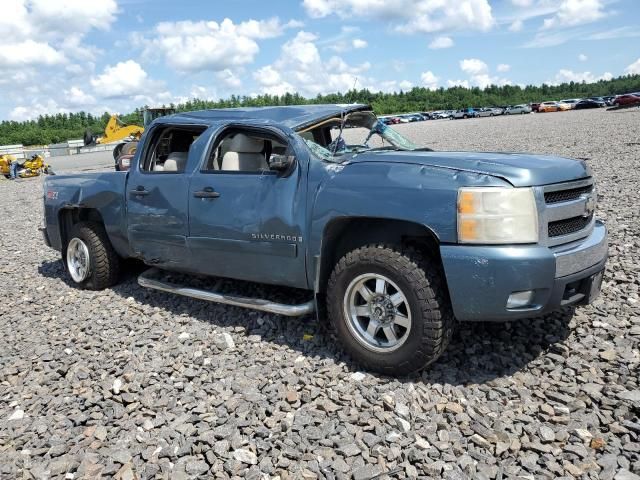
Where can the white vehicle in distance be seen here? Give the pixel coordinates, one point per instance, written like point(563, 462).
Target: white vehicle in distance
point(486, 112)
point(518, 109)
point(570, 102)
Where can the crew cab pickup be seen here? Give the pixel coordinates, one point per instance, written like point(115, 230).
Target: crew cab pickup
point(394, 242)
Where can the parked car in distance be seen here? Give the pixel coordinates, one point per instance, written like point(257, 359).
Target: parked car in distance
point(608, 99)
point(484, 112)
point(626, 99)
point(464, 113)
point(599, 100)
point(534, 106)
point(518, 109)
point(548, 107)
point(569, 103)
point(588, 103)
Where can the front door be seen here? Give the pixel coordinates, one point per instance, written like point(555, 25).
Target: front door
point(245, 220)
point(157, 197)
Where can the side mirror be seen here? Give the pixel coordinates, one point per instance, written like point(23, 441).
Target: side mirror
point(281, 163)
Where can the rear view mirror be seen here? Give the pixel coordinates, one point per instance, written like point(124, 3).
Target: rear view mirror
point(281, 163)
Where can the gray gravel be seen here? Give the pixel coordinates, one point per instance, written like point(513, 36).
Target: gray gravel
point(128, 383)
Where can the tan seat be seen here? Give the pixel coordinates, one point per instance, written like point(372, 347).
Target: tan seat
point(175, 162)
point(244, 155)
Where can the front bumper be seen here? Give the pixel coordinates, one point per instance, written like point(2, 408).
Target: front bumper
point(481, 278)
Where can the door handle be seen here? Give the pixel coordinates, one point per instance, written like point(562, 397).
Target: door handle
point(207, 192)
point(140, 191)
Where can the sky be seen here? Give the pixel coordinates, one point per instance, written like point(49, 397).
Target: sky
point(114, 55)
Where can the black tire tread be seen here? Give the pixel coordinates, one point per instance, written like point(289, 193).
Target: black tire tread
point(105, 262)
point(426, 280)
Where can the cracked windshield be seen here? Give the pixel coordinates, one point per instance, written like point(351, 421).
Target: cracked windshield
point(361, 131)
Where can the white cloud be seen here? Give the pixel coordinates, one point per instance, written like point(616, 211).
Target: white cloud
point(300, 68)
point(551, 38)
point(124, 79)
point(565, 76)
point(405, 85)
point(410, 16)
point(45, 19)
point(429, 80)
point(522, 3)
point(634, 68)
point(359, 43)
point(478, 72)
point(47, 32)
point(582, 57)
point(35, 109)
point(29, 53)
point(79, 16)
point(621, 32)
point(208, 45)
point(576, 12)
point(441, 42)
point(75, 97)
point(229, 79)
point(503, 67)
point(473, 66)
point(516, 25)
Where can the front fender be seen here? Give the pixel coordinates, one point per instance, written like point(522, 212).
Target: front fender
point(418, 194)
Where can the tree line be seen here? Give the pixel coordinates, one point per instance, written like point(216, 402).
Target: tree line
point(60, 127)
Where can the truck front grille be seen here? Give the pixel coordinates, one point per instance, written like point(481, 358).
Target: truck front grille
point(566, 195)
point(566, 211)
point(569, 226)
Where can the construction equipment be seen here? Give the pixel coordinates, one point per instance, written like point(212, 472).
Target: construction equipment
point(32, 167)
point(116, 130)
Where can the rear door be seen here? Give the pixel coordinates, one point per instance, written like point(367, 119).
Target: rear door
point(157, 199)
point(248, 224)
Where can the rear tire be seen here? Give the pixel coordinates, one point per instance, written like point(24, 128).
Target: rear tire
point(406, 322)
point(90, 258)
point(117, 151)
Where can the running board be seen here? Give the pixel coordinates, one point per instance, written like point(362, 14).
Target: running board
point(144, 280)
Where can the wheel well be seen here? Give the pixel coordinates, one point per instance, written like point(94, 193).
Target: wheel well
point(343, 235)
point(68, 217)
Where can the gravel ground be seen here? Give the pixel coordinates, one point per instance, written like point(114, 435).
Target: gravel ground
point(130, 383)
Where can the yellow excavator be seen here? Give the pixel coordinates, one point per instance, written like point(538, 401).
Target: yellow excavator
point(127, 135)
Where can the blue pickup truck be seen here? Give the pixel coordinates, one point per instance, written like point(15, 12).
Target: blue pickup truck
point(394, 242)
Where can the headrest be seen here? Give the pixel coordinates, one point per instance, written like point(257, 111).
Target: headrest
point(170, 165)
point(178, 156)
point(242, 144)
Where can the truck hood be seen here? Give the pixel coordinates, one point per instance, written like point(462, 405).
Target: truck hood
point(519, 169)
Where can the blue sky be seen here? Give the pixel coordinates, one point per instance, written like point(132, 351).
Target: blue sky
point(114, 55)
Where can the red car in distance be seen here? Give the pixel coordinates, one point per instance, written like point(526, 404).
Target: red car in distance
point(626, 99)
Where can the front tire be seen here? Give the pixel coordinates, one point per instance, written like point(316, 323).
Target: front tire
point(390, 309)
point(90, 258)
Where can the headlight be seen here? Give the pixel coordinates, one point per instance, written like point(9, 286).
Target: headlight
point(497, 215)
point(126, 162)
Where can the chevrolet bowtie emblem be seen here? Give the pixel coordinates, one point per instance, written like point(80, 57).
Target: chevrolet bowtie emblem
point(589, 205)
